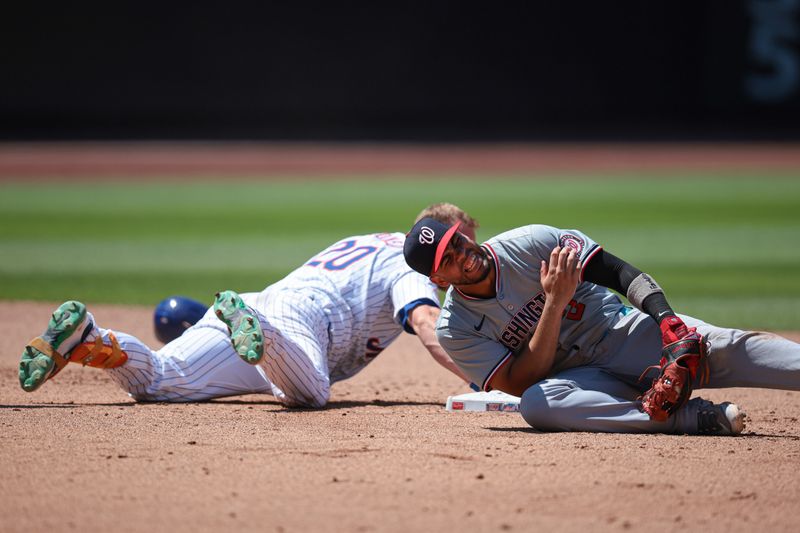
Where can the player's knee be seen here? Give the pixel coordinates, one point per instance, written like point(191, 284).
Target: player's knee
point(316, 401)
point(534, 408)
point(305, 403)
point(321, 396)
point(539, 405)
point(319, 404)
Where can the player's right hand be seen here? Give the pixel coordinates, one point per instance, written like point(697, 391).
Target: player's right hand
point(561, 276)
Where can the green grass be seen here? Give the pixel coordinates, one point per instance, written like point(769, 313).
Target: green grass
point(725, 247)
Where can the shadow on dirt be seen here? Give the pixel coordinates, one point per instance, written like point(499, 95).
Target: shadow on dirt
point(752, 435)
point(348, 404)
point(343, 404)
point(63, 405)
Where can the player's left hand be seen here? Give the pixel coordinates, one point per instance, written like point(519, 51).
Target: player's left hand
point(673, 329)
point(681, 361)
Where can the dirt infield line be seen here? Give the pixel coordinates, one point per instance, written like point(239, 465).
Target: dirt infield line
point(383, 457)
point(193, 159)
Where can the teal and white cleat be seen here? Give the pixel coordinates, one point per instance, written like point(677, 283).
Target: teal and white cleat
point(41, 359)
point(243, 326)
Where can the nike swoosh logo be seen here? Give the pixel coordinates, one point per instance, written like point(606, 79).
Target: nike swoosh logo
point(480, 324)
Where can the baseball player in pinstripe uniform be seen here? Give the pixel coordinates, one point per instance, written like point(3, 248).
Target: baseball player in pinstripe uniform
point(530, 313)
point(322, 323)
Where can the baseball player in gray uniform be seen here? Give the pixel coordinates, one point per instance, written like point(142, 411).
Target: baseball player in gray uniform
point(323, 323)
point(530, 313)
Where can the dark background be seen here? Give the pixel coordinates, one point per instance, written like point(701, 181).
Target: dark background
point(628, 70)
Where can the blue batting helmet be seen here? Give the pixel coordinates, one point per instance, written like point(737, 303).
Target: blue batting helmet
point(176, 314)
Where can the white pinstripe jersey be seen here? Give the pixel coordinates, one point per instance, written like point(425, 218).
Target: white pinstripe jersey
point(482, 334)
point(372, 287)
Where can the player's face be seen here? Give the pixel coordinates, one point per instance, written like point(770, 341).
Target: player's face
point(469, 232)
point(463, 262)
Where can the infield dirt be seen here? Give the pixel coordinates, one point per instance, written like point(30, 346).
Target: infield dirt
point(79, 455)
point(190, 161)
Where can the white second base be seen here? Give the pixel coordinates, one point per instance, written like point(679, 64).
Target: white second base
point(494, 401)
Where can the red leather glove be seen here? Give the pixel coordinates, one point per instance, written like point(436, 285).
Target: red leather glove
point(673, 329)
point(680, 362)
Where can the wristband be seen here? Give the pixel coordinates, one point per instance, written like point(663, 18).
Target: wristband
point(640, 288)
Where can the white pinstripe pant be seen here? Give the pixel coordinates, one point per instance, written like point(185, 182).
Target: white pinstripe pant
point(201, 364)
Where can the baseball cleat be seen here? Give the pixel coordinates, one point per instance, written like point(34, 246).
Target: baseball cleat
point(724, 419)
point(41, 360)
point(243, 326)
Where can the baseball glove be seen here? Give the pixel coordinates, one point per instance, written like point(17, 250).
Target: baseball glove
point(680, 363)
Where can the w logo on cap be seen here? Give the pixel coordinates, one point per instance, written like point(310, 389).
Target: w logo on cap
point(425, 244)
point(426, 235)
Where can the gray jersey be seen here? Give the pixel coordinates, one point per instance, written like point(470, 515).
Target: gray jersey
point(483, 334)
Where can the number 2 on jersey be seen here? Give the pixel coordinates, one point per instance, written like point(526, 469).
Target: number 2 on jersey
point(345, 255)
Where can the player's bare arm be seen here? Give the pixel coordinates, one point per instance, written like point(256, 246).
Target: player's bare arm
point(559, 279)
point(423, 320)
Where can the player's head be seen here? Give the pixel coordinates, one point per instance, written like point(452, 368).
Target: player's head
point(449, 214)
point(445, 254)
point(174, 315)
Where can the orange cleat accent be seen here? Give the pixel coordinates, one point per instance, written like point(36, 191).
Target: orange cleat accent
point(98, 355)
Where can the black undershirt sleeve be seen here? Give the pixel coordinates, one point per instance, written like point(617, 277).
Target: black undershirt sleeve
point(610, 271)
